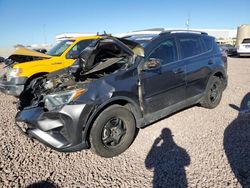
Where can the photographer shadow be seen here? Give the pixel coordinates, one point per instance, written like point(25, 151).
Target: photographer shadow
point(237, 142)
point(168, 161)
point(43, 184)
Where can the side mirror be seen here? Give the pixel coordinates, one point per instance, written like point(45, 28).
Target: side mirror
point(152, 63)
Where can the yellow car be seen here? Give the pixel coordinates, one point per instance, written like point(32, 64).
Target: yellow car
point(28, 64)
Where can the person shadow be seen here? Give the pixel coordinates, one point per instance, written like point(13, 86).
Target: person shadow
point(168, 161)
point(43, 184)
point(237, 142)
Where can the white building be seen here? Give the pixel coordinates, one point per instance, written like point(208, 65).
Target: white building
point(217, 33)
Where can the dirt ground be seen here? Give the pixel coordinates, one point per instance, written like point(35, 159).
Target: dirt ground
point(196, 147)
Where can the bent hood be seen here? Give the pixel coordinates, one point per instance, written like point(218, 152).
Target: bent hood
point(24, 55)
point(134, 46)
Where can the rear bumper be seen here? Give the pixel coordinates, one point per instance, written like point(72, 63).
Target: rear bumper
point(13, 87)
point(243, 51)
point(61, 129)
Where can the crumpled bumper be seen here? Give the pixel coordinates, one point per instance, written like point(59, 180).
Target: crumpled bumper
point(13, 87)
point(60, 129)
point(14, 90)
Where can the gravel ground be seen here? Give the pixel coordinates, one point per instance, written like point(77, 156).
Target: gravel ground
point(196, 147)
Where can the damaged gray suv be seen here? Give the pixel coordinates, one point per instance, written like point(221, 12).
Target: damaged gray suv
point(119, 85)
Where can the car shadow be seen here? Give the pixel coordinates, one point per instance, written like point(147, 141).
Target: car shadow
point(43, 184)
point(239, 57)
point(237, 142)
point(168, 161)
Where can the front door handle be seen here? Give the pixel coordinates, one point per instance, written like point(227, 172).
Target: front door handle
point(56, 63)
point(178, 70)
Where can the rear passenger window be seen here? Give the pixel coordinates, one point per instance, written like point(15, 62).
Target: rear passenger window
point(190, 46)
point(166, 52)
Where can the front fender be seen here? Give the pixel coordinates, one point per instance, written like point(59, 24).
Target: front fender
point(135, 108)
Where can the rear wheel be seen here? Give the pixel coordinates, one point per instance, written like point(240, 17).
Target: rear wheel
point(113, 131)
point(213, 93)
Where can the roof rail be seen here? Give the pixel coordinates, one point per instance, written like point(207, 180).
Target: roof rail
point(151, 29)
point(184, 31)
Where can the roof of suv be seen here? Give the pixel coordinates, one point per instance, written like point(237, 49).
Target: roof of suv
point(143, 37)
point(158, 31)
point(183, 31)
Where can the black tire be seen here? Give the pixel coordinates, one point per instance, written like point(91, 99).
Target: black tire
point(213, 93)
point(26, 96)
point(104, 133)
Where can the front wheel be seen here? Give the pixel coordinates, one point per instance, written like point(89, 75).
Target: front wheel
point(113, 131)
point(213, 93)
point(27, 95)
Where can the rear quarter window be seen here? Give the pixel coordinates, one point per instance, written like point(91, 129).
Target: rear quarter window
point(207, 43)
point(190, 46)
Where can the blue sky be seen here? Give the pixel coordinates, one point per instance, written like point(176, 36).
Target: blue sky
point(36, 21)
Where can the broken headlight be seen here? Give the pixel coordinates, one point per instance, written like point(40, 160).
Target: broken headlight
point(55, 100)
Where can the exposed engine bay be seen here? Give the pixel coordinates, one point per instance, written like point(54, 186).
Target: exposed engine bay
point(102, 57)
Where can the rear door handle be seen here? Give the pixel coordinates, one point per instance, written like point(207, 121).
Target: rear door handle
point(178, 70)
point(210, 62)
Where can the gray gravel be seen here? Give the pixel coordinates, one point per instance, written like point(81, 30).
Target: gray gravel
point(196, 147)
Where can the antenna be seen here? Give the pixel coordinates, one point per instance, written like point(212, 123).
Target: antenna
point(188, 21)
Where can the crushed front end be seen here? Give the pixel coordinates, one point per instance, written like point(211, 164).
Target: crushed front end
point(56, 108)
point(52, 115)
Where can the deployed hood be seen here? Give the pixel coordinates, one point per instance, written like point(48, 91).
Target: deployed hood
point(134, 46)
point(108, 47)
point(25, 55)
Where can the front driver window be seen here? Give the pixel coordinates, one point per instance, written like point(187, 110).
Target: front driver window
point(166, 52)
point(77, 49)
